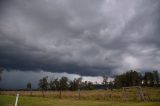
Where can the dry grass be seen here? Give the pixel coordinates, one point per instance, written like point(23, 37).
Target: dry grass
point(39, 101)
point(116, 94)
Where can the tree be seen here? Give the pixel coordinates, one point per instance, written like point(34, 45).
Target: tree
point(52, 85)
point(130, 78)
point(29, 87)
point(90, 86)
point(84, 85)
point(156, 77)
point(43, 84)
point(74, 84)
point(105, 81)
point(148, 79)
point(110, 85)
point(119, 81)
point(133, 78)
point(63, 85)
point(57, 84)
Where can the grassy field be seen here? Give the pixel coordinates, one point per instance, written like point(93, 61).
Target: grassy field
point(88, 98)
point(39, 101)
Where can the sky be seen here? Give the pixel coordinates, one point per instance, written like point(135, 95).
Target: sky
point(78, 37)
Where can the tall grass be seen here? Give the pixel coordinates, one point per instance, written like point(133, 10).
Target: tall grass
point(114, 95)
point(40, 101)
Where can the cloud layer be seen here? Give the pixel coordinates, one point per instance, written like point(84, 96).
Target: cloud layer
point(90, 37)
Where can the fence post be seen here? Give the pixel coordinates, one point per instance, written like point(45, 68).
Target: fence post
point(79, 93)
point(16, 99)
point(141, 93)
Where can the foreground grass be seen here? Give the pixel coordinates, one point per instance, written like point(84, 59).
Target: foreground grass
point(108, 95)
point(39, 101)
point(88, 98)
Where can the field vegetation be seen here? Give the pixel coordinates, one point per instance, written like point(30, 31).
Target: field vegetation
point(39, 101)
point(87, 98)
point(115, 94)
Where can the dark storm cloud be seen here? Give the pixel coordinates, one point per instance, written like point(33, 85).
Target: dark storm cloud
point(91, 37)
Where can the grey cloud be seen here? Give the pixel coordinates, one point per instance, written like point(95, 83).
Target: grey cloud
point(88, 37)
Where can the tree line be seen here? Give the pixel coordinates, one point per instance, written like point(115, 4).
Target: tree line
point(127, 79)
point(64, 84)
point(133, 78)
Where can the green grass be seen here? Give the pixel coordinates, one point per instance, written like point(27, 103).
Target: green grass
point(107, 95)
point(39, 101)
point(88, 98)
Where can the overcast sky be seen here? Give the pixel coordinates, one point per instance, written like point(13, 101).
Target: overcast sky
point(82, 37)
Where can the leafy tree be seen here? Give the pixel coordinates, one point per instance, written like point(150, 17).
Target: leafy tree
point(63, 83)
point(90, 86)
point(84, 85)
point(52, 85)
point(156, 77)
point(133, 78)
point(105, 81)
point(119, 81)
point(43, 84)
point(57, 84)
point(110, 85)
point(74, 84)
point(130, 78)
point(149, 79)
point(29, 87)
point(87, 85)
